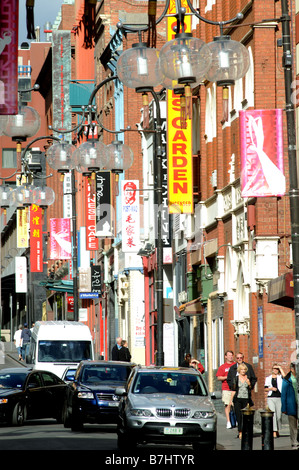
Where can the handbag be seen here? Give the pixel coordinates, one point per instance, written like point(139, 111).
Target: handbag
point(233, 418)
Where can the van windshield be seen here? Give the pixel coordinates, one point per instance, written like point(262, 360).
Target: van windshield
point(62, 351)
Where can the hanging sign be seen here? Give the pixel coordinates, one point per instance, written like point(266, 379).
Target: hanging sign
point(36, 239)
point(60, 239)
point(21, 274)
point(261, 141)
point(9, 24)
point(92, 242)
point(96, 280)
point(103, 205)
point(130, 216)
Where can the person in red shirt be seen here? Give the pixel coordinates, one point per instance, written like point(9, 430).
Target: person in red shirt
point(226, 392)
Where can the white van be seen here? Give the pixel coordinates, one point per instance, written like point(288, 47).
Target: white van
point(56, 345)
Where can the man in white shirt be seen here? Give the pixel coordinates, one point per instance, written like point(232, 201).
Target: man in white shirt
point(18, 341)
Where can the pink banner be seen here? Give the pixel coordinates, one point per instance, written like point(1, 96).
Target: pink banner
point(60, 239)
point(262, 153)
point(9, 15)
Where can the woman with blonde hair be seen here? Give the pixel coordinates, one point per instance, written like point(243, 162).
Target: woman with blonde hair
point(241, 396)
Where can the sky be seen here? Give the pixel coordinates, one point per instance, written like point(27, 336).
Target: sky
point(44, 11)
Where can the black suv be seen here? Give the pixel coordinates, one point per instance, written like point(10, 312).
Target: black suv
point(91, 395)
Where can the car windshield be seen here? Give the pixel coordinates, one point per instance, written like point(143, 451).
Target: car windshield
point(64, 351)
point(92, 374)
point(12, 380)
point(169, 382)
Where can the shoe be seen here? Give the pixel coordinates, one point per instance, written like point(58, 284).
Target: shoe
point(228, 425)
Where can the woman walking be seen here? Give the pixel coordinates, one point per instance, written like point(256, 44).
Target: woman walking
point(273, 385)
point(241, 396)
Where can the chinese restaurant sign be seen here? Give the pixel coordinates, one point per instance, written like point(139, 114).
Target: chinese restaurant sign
point(91, 240)
point(130, 216)
point(180, 164)
point(262, 153)
point(104, 226)
point(21, 274)
point(36, 239)
point(60, 239)
point(9, 16)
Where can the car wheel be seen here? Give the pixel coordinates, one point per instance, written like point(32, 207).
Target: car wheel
point(66, 419)
point(18, 415)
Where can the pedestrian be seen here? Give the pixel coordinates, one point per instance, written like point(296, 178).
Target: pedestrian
point(26, 335)
point(232, 373)
point(116, 348)
point(32, 326)
point(187, 361)
point(124, 353)
point(241, 396)
point(289, 397)
point(273, 385)
point(18, 341)
point(226, 392)
point(197, 365)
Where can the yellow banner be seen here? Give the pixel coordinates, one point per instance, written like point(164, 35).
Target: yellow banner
point(179, 141)
point(22, 228)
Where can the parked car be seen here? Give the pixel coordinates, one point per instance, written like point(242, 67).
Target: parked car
point(166, 405)
point(30, 394)
point(91, 396)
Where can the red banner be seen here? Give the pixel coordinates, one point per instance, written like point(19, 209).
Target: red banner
point(92, 241)
point(60, 239)
point(36, 239)
point(9, 16)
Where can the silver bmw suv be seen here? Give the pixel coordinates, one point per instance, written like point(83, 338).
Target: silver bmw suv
point(166, 405)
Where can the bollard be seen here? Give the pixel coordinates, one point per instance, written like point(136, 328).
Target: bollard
point(247, 428)
point(267, 429)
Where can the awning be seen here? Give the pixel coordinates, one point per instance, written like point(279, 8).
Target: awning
point(193, 307)
point(58, 285)
point(281, 290)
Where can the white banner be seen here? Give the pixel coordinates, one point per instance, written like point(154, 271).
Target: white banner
point(130, 216)
point(21, 274)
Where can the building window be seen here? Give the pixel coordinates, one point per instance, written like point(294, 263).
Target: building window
point(9, 158)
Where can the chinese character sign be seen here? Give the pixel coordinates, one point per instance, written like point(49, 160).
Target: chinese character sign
point(130, 216)
point(21, 274)
point(60, 239)
point(36, 239)
point(91, 240)
point(96, 279)
point(262, 153)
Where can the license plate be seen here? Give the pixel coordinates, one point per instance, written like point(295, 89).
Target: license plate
point(176, 431)
point(113, 403)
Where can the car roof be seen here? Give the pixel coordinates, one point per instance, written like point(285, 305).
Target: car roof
point(16, 370)
point(182, 370)
point(107, 363)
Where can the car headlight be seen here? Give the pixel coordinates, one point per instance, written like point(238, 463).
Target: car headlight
point(203, 414)
point(85, 395)
point(140, 412)
point(3, 400)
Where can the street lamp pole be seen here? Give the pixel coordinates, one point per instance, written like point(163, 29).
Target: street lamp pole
point(293, 191)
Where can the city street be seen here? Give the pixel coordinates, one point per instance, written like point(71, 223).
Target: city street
point(48, 435)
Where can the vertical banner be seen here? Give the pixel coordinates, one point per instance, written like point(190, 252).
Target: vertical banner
point(92, 242)
point(22, 228)
point(9, 24)
point(61, 77)
point(261, 142)
point(21, 274)
point(103, 205)
point(60, 239)
point(36, 239)
point(130, 216)
point(180, 160)
point(67, 196)
point(96, 279)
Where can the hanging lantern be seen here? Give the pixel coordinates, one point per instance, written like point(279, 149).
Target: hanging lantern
point(120, 157)
point(43, 196)
point(22, 125)
point(91, 156)
point(59, 156)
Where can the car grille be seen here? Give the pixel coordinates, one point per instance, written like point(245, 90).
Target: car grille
point(105, 396)
point(169, 413)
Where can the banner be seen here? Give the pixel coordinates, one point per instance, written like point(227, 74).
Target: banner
point(22, 228)
point(261, 141)
point(104, 226)
point(92, 242)
point(36, 239)
point(9, 24)
point(21, 274)
point(130, 216)
point(60, 239)
point(180, 160)
point(96, 279)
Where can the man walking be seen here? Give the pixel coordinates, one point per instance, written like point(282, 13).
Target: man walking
point(25, 336)
point(226, 392)
point(116, 348)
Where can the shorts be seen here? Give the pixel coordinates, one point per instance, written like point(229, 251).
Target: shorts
point(226, 396)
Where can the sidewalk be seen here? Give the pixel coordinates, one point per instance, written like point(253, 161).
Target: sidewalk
point(227, 438)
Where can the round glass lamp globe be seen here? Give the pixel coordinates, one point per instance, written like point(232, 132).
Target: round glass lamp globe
point(43, 196)
point(91, 156)
point(21, 196)
point(139, 67)
point(24, 124)
point(185, 57)
point(59, 156)
point(120, 157)
point(230, 61)
point(5, 195)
